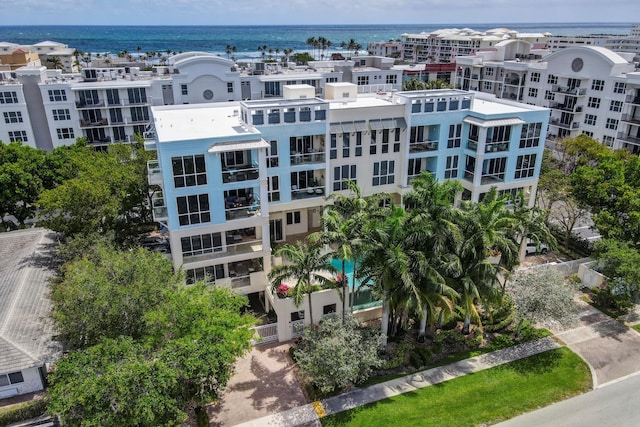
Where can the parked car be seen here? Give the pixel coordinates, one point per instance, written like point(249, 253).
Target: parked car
point(533, 248)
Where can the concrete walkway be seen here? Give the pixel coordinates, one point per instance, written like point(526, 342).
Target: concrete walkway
point(309, 415)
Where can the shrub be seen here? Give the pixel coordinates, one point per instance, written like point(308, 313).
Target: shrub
point(618, 295)
point(336, 354)
point(424, 353)
point(398, 358)
point(22, 412)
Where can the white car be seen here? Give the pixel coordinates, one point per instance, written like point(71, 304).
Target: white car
point(532, 248)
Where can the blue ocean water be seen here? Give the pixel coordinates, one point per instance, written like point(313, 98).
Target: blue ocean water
point(247, 39)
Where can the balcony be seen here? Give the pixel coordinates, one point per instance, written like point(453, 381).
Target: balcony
point(243, 247)
point(496, 147)
point(241, 207)
point(307, 158)
point(240, 173)
point(630, 118)
point(418, 147)
point(154, 173)
point(492, 179)
point(469, 175)
point(629, 138)
point(307, 192)
point(632, 99)
point(137, 120)
point(569, 91)
point(83, 105)
point(95, 123)
point(564, 107)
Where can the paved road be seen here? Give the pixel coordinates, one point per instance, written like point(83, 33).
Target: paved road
point(615, 405)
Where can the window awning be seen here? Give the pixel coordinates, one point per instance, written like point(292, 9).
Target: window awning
point(361, 126)
point(375, 124)
point(335, 128)
point(223, 147)
point(493, 123)
point(400, 122)
point(348, 127)
point(388, 123)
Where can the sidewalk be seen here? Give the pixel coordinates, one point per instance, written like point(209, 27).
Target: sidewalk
point(311, 413)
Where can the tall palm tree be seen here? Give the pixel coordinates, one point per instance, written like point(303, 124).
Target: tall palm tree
point(485, 225)
point(312, 43)
point(339, 233)
point(55, 63)
point(431, 207)
point(386, 262)
point(304, 263)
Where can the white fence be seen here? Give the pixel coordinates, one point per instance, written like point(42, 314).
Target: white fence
point(266, 333)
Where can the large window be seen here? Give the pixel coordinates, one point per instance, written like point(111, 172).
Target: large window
point(451, 169)
point(593, 102)
point(455, 131)
point(139, 114)
point(273, 190)
point(619, 87)
point(293, 218)
point(201, 244)
point(209, 274)
point(346, 148)
point(363, 80)
point(18, 135)
point(392, 79)
point(333, 141)
point(530, 135)
point(189, 171)
point(272, 154)
point(8, 98)
point(534, 77)
point(342, 175)
point(12, 117)
point(137, 95)
point(193, 209)
point(383, 173)
point(57, 95)
point(597, 85)
point(612, 124)
point(65, 133)
point(499, 134)
point(272, 88)
point(358, 144)
point(552, 80)
point(61, 114)
point(525, 166)
point(615, 106)
point(533, 92)
point(590, 119)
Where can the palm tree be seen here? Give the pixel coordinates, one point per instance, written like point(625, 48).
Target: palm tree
point(431, 206)
point(303, 264)
point(339, 233)
point(55, 63)
point(484, 226)
point(438, 84)
point(228, 51)
point(387, 263)
point(312, 43)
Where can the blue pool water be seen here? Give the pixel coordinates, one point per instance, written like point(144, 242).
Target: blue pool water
point(363, 296)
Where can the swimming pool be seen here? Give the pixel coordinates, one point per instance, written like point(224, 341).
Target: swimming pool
point(363, 295)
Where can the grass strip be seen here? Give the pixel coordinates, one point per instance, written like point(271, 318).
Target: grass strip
point(489, 396)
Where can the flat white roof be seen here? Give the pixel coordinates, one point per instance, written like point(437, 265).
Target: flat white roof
point(359, 102)
point(199, 121)
point(484, 103)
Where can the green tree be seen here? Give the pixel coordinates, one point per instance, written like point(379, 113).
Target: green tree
point(106, 295)
point(23, 174)
point(337, 353)
point(55, 63)
point(105, 192)
point(438, 84)
point(414, 84)
point(114, 383)
point(303, 265)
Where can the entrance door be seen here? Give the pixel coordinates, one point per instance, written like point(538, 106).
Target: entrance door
point(245, 90)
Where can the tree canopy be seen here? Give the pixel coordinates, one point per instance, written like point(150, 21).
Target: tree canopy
point(146, 350)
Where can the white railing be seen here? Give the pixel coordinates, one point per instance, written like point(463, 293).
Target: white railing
point(297, 328)
point(265, 333)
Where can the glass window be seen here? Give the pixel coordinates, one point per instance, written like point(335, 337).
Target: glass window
point(189, 171)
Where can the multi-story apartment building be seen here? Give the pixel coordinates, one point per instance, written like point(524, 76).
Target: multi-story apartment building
point(588, 89)
point(391, 49)
point(445, 44)
point(48, 108)
point(238, 177)
point(15, 55)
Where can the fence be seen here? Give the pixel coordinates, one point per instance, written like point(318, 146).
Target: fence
point(266, 333)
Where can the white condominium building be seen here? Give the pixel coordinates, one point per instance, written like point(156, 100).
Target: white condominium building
point(48, 108)
point(588, 89)
point(445, 44)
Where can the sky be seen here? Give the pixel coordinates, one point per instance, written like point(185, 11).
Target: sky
point(318, 12)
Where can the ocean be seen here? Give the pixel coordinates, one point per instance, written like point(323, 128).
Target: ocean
point(247, 39)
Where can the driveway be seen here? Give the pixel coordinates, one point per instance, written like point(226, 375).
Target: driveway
point(263, 384)
point(609, 347)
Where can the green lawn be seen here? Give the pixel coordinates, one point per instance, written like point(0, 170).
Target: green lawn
point(488, 396)
point(636, 327)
